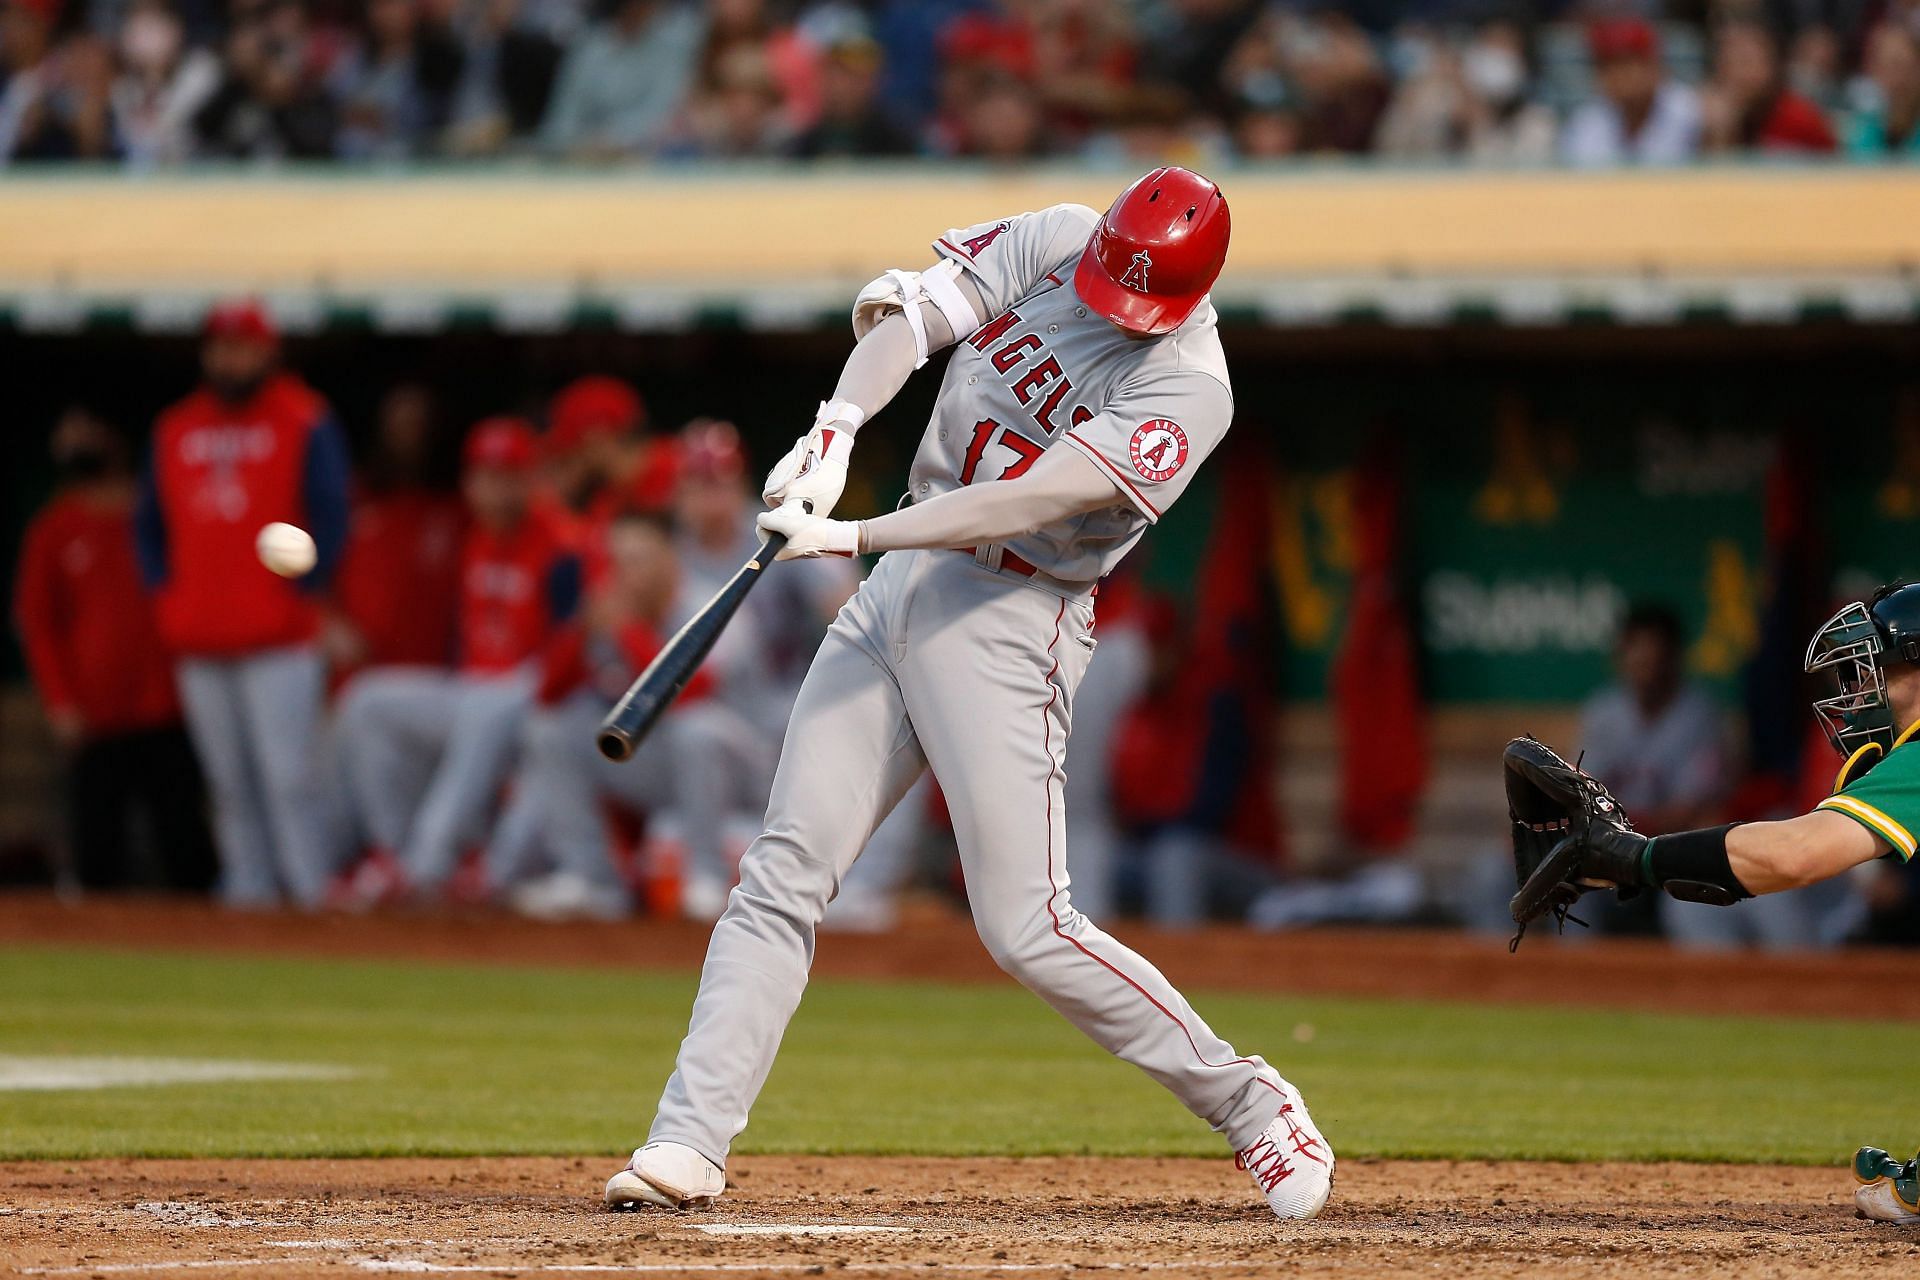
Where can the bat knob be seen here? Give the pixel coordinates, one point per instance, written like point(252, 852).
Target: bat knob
point(615, 745)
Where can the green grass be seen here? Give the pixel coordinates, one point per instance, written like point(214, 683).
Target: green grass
point(477, 1060)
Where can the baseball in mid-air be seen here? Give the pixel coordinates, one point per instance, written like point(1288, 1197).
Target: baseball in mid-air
point(286, 549)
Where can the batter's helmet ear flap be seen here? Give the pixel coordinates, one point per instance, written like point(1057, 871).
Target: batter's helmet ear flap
point(1156, 252)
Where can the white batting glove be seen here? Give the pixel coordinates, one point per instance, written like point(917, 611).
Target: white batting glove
point(815, 469)
point(809, 535)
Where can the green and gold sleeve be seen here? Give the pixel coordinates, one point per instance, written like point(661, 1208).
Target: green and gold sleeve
point(1887, 800)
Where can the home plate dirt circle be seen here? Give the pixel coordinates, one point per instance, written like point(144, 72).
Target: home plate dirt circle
point(786, 1216)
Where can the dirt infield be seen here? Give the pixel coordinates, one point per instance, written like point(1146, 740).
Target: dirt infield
point(932, 1217)
point(933, 943)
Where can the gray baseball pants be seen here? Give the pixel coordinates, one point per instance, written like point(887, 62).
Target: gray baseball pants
point(256, 723)
point(426, 752)
point(939, 661)
point(703, 761)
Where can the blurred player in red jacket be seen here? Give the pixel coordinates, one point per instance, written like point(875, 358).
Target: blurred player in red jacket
point(253, 444)
point(601, 460)
point(398, 589)
point(603, 455)
point(426, 750)
point(105, 680)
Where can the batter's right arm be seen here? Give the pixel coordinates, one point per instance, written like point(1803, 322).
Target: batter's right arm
point(814, 471)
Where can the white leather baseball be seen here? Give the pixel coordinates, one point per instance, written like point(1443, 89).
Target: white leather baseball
point(286, 549)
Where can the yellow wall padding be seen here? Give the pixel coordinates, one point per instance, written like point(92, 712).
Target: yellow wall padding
point(566, 230)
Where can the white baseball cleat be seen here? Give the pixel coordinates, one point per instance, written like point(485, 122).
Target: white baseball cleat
point(668, 1176)
point(568, 895)
point(1290, 1162)
point(703, 898)
point(1881, 1201)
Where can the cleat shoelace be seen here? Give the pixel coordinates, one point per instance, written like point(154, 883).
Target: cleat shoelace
point(1266, 1162)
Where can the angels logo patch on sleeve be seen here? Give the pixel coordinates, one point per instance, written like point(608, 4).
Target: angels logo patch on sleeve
point(1158, 449)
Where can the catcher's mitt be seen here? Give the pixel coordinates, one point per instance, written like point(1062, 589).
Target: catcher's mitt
point(1555, 807)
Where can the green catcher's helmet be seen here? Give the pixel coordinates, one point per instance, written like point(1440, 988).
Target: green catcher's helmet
point(1857, 644)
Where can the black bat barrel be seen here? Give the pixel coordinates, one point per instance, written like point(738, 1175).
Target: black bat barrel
point(656, 688)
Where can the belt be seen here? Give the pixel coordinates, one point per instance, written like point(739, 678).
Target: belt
point(1009, 562)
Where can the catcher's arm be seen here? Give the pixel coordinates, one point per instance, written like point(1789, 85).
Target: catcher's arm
point(1567, 841)
point(1771, 857)
point(1722, 865)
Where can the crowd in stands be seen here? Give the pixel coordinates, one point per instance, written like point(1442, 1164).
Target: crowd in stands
point(1584, 82)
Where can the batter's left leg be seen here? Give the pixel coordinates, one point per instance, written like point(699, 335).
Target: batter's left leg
point(994, 728)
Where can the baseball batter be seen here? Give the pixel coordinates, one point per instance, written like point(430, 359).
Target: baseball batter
point(1086, 386)
point(1570, 835)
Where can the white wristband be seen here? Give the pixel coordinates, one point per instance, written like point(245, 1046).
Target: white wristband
point(841, 411)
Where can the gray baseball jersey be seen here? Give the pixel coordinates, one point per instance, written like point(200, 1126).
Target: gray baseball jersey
point(1043, 370)
point(951, 662)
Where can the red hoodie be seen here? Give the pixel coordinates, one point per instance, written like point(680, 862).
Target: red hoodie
point(221, 471)
point(86, 621)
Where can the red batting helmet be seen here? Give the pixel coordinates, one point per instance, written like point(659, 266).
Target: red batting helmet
point(1156, 252)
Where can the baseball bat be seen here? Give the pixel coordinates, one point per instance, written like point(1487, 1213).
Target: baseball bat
point(654, 690)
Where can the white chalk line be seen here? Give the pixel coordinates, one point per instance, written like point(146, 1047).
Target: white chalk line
point(348, 1244)
point(179, 1213)
point(418, 1266)
point(44, 1072)
point(129, 1268)
point(421, 1266)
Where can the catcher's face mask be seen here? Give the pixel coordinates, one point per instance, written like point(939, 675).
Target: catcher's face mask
point(1849, 645)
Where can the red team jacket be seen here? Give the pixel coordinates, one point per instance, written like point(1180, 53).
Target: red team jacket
point(86, 622)
point(220, 472)
point(514, 587)
point(650, 488)
point(399, 580)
